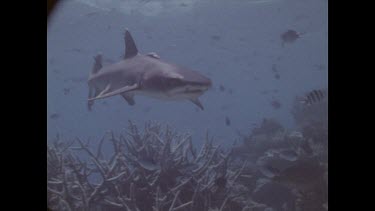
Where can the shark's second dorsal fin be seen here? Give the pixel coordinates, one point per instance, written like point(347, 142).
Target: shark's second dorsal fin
point(130, 47)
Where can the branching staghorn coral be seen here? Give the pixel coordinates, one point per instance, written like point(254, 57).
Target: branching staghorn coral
point(154, 169)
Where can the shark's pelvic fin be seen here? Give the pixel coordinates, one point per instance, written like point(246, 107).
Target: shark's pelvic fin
point(197, 102)
point(129, 98)
point(105, 93)
point(130, 47)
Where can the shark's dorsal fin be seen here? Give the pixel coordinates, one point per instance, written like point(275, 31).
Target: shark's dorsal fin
point(130, 47)
point(105, 94)
point(197, 102)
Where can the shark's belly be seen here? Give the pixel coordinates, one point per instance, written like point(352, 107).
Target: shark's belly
point(167, 97)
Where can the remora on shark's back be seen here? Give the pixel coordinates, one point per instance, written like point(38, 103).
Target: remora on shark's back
point(144, 75)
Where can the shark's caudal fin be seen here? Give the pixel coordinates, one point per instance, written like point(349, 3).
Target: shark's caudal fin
point(97, 66)
point(130, 47)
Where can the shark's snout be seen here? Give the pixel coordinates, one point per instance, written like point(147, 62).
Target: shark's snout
point(201, 81)
point(208, 83)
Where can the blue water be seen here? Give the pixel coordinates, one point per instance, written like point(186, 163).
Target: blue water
point(235, 43)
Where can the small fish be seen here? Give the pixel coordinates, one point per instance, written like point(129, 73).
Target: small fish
point(76, 50)
point(227, 121)
point(275, 104)
point(90, 14)
point(222, 88)
point(54, 116)
point(215, 37)
point(288, 154)
point(264, 92)
point(314, 97)
point(319, 67)
point(274, 68)
point(275, 71)
point(289, 36)
point(66, 91)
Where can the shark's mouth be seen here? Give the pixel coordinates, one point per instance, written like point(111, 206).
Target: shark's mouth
point(196, 91)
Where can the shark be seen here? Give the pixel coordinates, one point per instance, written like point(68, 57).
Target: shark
point(144, 74)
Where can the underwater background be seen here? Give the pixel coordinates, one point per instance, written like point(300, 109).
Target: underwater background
point(260, 55)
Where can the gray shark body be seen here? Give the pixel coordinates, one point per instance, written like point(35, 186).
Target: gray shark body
point(148, 75)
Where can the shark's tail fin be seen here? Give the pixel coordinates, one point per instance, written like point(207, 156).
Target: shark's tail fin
point(92, 91)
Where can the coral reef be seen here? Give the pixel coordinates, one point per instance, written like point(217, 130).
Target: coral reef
point(290, 168)
point(157, 169)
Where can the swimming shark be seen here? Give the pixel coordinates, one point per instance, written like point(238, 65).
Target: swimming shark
point(144, 74)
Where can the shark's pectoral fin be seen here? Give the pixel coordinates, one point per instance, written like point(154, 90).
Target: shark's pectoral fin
point(197, 102)
point(129, 98)
point(105, 92)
